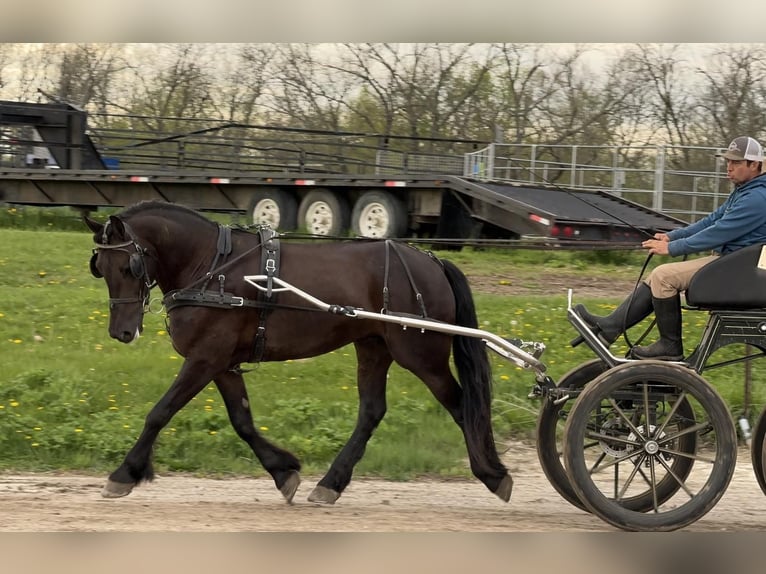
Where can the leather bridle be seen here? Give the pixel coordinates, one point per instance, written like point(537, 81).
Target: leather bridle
point(137, 265)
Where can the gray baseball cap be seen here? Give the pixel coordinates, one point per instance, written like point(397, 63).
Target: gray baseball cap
point(742, 148)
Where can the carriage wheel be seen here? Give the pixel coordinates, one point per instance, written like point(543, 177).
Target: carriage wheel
point(550, 429)
point(550, 441)
point(638, 416)
point(758, 451)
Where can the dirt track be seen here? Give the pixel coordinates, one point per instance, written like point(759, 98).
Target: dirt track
point(56, 503)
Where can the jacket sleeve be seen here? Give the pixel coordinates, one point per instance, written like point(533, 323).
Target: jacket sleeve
point(729, 222)
point(698, 226)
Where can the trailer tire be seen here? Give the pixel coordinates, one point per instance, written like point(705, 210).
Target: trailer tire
point(323, 212)
point(276, 208)
point(379, 214)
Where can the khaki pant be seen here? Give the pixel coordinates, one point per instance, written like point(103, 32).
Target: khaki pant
point(670, 278)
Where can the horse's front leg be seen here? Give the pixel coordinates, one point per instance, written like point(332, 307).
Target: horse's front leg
point(282, 465)
point(137, 466)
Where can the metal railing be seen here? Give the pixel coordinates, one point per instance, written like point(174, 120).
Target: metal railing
point(685, 182)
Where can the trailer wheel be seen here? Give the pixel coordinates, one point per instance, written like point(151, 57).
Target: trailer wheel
point(758, 451)
point(627, 428)
point(323, 212)
point(379, 214)
point(276, 208)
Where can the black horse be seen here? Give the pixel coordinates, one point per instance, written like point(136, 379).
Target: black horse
point(217, 321)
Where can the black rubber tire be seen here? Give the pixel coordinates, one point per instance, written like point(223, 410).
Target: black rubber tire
point(620, 392)
point(758, 450)
point(322, 212)
point(379, 214)
point(550, 424)
point(277, 208)
point(550, 444)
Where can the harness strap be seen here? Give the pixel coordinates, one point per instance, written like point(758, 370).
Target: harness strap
point(198, 297)
point(223, 248)
point(418, 295)
point(270, 265)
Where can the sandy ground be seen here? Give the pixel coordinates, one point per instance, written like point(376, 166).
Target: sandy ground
point(177, 503)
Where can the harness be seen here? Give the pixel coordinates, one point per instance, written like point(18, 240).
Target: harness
point(222, 299)
point(266, 299)
point(137, 265)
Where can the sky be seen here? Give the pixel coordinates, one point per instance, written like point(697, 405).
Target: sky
point(393, 20)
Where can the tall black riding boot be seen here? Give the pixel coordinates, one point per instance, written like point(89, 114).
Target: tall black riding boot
point(670, 346)
point(634, 309)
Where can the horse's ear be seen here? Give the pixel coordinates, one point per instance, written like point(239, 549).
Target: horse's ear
point(92, 224)
point(117, 226)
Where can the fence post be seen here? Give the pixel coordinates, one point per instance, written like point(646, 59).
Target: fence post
point(659, 180)
point(491, 161)
point(573, 174)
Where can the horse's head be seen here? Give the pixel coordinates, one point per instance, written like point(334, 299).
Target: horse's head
point(121, 261)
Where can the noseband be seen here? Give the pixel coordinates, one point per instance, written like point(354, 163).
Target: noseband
point(136, 262)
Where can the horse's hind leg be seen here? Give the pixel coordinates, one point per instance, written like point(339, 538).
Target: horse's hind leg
point(137, 466)
point(482, 452)
point(373, 361)
point(282, 465)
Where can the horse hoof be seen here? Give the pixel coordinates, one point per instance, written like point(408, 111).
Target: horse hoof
point(503, 491)
point(322, 495)
point(114, 489)
point(290, 486)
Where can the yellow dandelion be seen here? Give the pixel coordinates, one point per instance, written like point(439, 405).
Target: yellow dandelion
point(264, 429)
point(212, 432)
point(505, 378)
point(14, 403)
point(78, 430)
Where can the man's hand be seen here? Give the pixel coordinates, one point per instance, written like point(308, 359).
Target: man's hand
point(656, 246)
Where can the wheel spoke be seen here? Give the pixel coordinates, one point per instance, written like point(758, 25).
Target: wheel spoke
point(672, 430)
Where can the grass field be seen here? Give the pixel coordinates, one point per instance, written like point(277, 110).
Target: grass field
point(72, 398)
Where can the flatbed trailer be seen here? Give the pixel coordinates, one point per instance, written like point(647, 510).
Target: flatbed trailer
point(212, 173)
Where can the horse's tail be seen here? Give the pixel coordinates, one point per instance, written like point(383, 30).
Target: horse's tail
point(475, 375)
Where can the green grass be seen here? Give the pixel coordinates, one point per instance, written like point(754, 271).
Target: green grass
point(71, 398)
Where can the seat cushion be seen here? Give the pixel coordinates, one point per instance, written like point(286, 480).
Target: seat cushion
point(733, 281)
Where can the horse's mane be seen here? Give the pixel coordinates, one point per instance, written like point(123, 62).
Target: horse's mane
point(161, 206)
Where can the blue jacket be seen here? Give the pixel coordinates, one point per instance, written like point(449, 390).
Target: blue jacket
point(740, 221)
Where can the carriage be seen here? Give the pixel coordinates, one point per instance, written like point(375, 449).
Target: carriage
point(644, 445)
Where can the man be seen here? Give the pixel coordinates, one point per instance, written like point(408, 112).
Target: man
point(740, 221)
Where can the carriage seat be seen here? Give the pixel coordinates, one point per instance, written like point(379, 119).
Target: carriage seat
point(733, 281)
